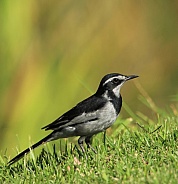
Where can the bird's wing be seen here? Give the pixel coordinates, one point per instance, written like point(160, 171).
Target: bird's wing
point(82, 112)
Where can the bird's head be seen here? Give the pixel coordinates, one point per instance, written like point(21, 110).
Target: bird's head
point(113, 82)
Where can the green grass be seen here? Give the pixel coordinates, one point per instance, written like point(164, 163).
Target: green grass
point(135, 150)
point(132, 155)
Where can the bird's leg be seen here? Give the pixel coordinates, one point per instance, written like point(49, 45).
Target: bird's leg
point(104, 136)
point(80, 142)
point(88, 141)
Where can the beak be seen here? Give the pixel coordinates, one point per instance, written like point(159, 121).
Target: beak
point(131, 77)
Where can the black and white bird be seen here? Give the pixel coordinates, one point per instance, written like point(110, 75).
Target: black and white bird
point(89, 117)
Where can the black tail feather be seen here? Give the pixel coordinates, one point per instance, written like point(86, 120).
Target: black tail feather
point(20, 155)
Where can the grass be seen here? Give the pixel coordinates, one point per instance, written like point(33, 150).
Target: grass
point(131, 156)
point(130, 152)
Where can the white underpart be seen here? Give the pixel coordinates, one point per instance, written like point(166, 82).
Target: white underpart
point(89, 123)
point(106, 116)
point(120, 77)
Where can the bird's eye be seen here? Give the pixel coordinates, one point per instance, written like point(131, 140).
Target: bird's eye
point(116, 81)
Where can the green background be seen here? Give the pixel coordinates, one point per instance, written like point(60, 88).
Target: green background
point(54, 53)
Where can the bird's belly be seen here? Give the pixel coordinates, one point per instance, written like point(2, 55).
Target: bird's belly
point(94, 127)
point(100, 120)
point(106, 117)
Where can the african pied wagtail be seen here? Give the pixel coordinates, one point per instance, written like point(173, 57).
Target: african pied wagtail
point(89, 117)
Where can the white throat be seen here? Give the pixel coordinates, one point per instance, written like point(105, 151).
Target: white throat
point(116, 90)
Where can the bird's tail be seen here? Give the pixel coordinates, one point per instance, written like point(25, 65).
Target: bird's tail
point(20, 155)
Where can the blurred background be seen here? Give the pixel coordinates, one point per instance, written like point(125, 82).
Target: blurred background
point(54, 53)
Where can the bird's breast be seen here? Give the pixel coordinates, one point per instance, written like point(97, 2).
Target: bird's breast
point(95, 122)
point(107, 115)
point(105, 118)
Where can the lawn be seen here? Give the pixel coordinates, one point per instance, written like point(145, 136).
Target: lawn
point(134, 150)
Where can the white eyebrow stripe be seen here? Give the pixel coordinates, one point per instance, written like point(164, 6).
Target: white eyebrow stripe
point(119, 77)
point(109, 80)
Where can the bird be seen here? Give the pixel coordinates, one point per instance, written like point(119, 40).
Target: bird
point(89, 117)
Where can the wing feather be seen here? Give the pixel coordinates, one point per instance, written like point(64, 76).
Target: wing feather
point(82, 112)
